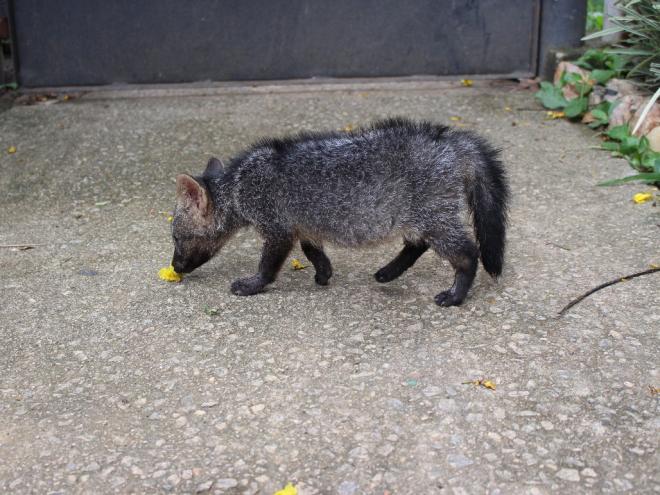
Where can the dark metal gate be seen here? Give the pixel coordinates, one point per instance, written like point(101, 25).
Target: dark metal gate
point(89, 42)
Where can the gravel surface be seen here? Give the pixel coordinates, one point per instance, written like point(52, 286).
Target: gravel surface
point(113, 381)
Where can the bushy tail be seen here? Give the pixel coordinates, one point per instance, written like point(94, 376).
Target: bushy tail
point(488, 194)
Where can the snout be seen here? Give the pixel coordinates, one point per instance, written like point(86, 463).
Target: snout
point(188, 264)
point(181, 266)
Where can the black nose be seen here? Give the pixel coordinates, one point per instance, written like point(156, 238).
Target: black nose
point(179, 265)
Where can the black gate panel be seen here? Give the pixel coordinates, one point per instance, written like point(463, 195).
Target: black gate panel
point(84, 42)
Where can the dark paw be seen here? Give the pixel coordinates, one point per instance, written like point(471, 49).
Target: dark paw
point(386, 274)
point(321, 279)
point(248, 286)
point(448, 298)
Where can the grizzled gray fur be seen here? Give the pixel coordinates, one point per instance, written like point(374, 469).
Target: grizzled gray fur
point(394, 178)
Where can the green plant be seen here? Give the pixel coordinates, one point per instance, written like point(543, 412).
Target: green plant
point(602, 113)
point(13, 86)
point(552, 97)
point(656, 69)
point(638, 153)
point(603, 65)
point(594, 15)
point(640, 21)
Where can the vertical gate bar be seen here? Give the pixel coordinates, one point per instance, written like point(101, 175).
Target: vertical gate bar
point(535, 39)
point(7, 47)
point(563, 23)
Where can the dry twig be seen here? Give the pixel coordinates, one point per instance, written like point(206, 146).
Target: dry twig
point(606, 284)
point(19, 246)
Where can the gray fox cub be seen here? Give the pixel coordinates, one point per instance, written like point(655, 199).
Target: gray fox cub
point(395, 177)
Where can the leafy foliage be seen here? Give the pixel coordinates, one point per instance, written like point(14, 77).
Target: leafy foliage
point(577, 107)
point(551, 96)
point(602, 113)
point(638, 153)
point(640, 48)
point(594, 15)
point(603, 66)
point(601, 60)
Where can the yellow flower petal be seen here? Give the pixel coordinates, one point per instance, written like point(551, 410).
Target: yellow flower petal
point(168, 274)
point(466, 82)
point(454, 118)
point(642, 197)
point(552, 115)
point(11, 150)
point(289, 489)
point(488, 384)
point(297, 265)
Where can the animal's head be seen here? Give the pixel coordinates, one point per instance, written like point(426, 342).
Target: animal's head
point(198, 229)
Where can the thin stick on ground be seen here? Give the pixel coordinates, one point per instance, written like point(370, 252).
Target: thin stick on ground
point(19, 246)
point(606, 284)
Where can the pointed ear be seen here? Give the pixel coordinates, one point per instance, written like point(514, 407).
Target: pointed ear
point(191, 194)
point(214, 168)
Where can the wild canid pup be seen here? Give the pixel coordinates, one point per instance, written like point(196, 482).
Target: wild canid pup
point(395, 177)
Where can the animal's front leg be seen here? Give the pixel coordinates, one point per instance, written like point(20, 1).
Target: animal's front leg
point(321, 262)
point(276, 249)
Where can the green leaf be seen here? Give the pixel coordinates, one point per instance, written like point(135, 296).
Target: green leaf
point(649, 178)
point(591, 59)
point(602, 76)
point(629, 52)
point(576, 107)
point(551, 96)
point(651, 161)
point(610, 146)
point(583, 87)
point(13, 86)
point(569, 78)
point(604, 32)
point(629, 145)
point(619, 132)
point(601, 118)
point(635, 161)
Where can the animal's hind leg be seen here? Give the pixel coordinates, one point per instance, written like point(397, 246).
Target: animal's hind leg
point(320, 261)
point(404, 260)
point(463, 254)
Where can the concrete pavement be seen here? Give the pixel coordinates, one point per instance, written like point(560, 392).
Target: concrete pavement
point(113, 381)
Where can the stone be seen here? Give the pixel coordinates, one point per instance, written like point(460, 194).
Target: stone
point(654, 138)
point(224, 483)
point(627, 107)
point(568, 474)
point(618, 88)
point(347, 488)
point(203, 487)
point(568, 90)
point(589, 473)
point(431, 391)
point(458, 461)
